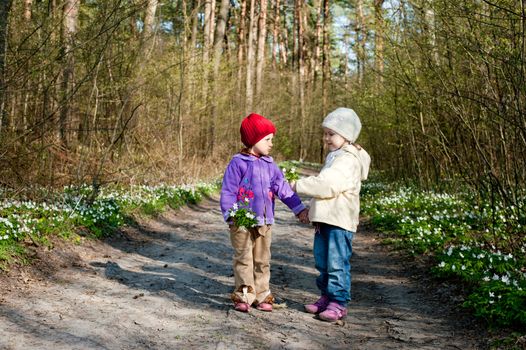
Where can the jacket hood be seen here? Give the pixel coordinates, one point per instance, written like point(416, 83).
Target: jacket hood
point(362, 156)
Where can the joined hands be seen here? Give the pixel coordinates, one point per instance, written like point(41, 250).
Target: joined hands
point(303, 216)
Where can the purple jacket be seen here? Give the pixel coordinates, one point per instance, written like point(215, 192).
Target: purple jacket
point(259, 180)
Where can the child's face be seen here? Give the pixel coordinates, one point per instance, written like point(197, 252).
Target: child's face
point(333, 140)
point(264, 146)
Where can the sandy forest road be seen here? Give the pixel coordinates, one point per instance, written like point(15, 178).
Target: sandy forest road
point(166, 285)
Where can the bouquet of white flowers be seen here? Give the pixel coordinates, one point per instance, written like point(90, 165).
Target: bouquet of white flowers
point(242, 215)
point(291, 175)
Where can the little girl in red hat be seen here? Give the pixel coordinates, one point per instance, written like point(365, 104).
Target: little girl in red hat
point(253, 180)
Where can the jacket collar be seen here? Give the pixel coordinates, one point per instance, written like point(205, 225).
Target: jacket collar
point(252, 158)
point(350, 149)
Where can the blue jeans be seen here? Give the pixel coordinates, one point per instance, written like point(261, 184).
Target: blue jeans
point(332, 252)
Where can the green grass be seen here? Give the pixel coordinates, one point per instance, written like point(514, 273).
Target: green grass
point(11, 252)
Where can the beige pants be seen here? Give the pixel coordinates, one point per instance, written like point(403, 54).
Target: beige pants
point(251, 264)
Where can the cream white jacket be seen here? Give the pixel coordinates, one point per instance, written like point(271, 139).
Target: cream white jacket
point(336, 189)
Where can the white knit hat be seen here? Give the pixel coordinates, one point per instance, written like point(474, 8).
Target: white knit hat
point(345, 122)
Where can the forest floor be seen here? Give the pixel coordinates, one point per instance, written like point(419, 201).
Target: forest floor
point(165, 284)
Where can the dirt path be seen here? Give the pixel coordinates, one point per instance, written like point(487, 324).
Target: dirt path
point(166, 286)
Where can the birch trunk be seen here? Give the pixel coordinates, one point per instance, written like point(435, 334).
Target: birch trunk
point(27, 9)
point(218, 50)
point(379, 40)
point(361, 33)
point(69, 28)
point(212, 22)
point(206, 31)
point(207, 44)
point(262, 38)
point(148, 35)
point(429, 16)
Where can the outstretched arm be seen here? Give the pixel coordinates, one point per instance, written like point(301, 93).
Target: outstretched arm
point(329, 182)
point(282, 190)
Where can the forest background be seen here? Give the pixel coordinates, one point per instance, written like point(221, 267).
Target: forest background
point(133, 91)
point(100, 99)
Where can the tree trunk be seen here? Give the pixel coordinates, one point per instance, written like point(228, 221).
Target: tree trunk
point(148, 35)
point(429, 15)
point(218, 50)
point(27, 9)
point(207, 44)
point(220, 34)
point(284, 43)
point(193, 35)
point(317, 48)
point(212, 22)
point(185, 77)
point(69, 29)
point(262, 40)
point(192, 95)
point(325, 65)
point(241, 45)
point(250, 59)
point(301, 77)
point(379, 40)
point(206, 31)
point(326, 59)
point(276, 33)
point(5, 6)
point(361, 33)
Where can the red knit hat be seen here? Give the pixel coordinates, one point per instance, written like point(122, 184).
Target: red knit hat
point(255, 127)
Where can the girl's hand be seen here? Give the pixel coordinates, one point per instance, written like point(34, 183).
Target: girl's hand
point(293, 185)
point(303, 216)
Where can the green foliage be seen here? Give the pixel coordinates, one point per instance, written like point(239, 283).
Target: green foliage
point(290, 174)
point(482, 245)
point(8, 251)
point(78, 209)
point(242, 215)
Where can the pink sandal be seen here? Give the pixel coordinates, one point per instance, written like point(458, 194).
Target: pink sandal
point(264, 307)
point(242, 307)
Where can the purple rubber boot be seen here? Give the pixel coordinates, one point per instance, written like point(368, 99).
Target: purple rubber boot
point(319, 306)
point(333, 312)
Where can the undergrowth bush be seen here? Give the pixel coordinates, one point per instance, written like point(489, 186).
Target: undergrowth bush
point(79, 210)
point(481, 244)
